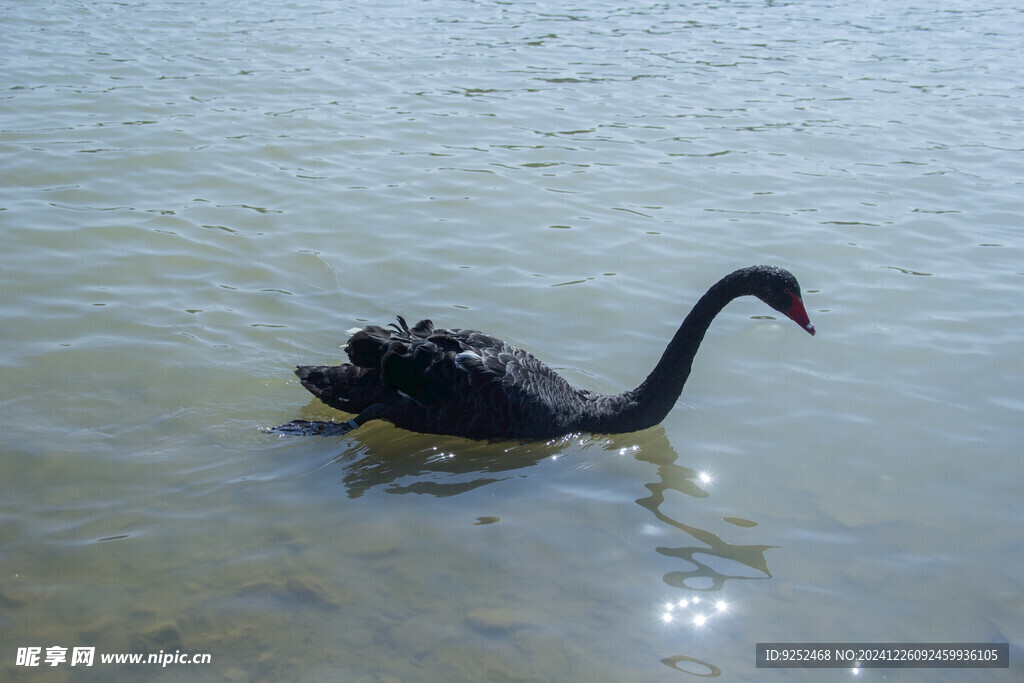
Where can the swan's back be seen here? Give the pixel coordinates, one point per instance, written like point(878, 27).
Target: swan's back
point(459, 382)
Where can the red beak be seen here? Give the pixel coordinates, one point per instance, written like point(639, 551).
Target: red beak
point(798, 314)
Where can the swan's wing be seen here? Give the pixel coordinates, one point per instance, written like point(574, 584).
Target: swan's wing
point(446, 381)
point(457, 367)
point(466, 382)
point(366, 347)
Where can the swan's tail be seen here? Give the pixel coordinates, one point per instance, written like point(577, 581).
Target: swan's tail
point(359, 386)
point(345, 387)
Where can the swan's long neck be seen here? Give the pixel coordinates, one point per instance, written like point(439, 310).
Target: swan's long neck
point(649, 403)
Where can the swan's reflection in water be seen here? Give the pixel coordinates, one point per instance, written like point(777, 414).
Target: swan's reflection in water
point(695, 610)
point(406, 464)
point(684, 480)
point(447, 468)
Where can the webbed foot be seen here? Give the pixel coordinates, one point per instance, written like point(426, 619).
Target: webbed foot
point(307, 428)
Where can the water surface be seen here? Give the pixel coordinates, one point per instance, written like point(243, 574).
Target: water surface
point(195, 198)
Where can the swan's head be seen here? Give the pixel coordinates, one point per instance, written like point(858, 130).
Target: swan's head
point(779, 289)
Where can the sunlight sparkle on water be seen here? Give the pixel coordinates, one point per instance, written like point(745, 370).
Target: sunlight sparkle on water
point(670, 612)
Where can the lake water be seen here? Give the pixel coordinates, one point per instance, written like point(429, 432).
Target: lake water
point(198, 196)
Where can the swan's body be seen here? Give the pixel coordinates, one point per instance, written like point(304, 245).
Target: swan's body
point(466, 383)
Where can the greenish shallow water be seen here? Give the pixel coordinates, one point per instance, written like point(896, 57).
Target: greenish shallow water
point(196, 198)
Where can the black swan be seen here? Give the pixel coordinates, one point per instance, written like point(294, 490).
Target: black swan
point(466, 383)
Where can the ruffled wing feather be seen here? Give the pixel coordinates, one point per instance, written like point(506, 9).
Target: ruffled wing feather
point(460, 382)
